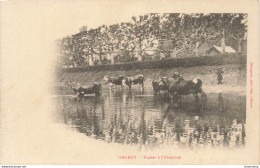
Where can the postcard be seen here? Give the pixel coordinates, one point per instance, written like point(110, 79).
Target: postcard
point(129, 82)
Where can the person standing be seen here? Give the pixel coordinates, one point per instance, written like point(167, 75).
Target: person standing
point(220, 75)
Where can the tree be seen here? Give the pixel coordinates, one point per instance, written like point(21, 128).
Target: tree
point(238, 28)
point(221, 24)
point(140, 32)
point(112, 40)
point(83, 29)
point(199, 29)
point(90, 43)
point(67, 52)
point(172, 29)
point(145, 30)
point(121, 42)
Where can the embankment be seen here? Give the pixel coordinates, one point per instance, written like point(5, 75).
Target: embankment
point(204, 68)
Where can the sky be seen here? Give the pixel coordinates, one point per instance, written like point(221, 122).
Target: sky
point(59, 18)
point(56, 19)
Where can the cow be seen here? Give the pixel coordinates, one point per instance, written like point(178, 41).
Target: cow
point(135, 80)
point(160, 84)
point(179, 86)
point(95, 88)
point(114, 81)
point(82, 90)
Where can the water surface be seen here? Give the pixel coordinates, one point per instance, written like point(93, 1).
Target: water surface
point(136, 117)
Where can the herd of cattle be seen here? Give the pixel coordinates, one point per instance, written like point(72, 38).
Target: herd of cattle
point(175, 85)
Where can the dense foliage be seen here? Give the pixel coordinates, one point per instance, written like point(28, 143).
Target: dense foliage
point(152, 36)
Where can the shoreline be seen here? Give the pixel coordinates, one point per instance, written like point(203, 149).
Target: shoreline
point(234, 77)
point(215, 89)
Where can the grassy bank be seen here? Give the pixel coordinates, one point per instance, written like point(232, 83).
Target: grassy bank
point(204, 68)
point(234, 76)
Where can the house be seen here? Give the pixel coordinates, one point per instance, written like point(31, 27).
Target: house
point(216, 50)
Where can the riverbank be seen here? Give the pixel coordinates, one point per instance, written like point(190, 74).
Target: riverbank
point(234, 76)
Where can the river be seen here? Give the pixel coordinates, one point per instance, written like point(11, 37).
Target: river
point(134, 117)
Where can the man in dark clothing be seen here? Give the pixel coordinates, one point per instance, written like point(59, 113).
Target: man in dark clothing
point(220, 76)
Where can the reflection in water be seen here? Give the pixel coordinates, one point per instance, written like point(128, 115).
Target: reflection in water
point(221, 103)
point(154, 122)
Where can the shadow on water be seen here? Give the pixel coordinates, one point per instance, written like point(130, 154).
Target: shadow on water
point(131, 117)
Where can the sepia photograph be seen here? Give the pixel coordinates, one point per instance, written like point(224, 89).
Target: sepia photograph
point(170, 79)
point(129, 82)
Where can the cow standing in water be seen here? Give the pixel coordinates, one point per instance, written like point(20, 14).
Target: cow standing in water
point(181, 86)
point(114, 81)
point(135, 80)
point(96, 88)
point(160, 84)
point(82, 90)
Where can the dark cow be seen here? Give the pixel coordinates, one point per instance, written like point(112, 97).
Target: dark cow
point(82, 90)
point(114, 81)
point(160, 84)
point(96, 88)
point(135, 80)
point(180, 86)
